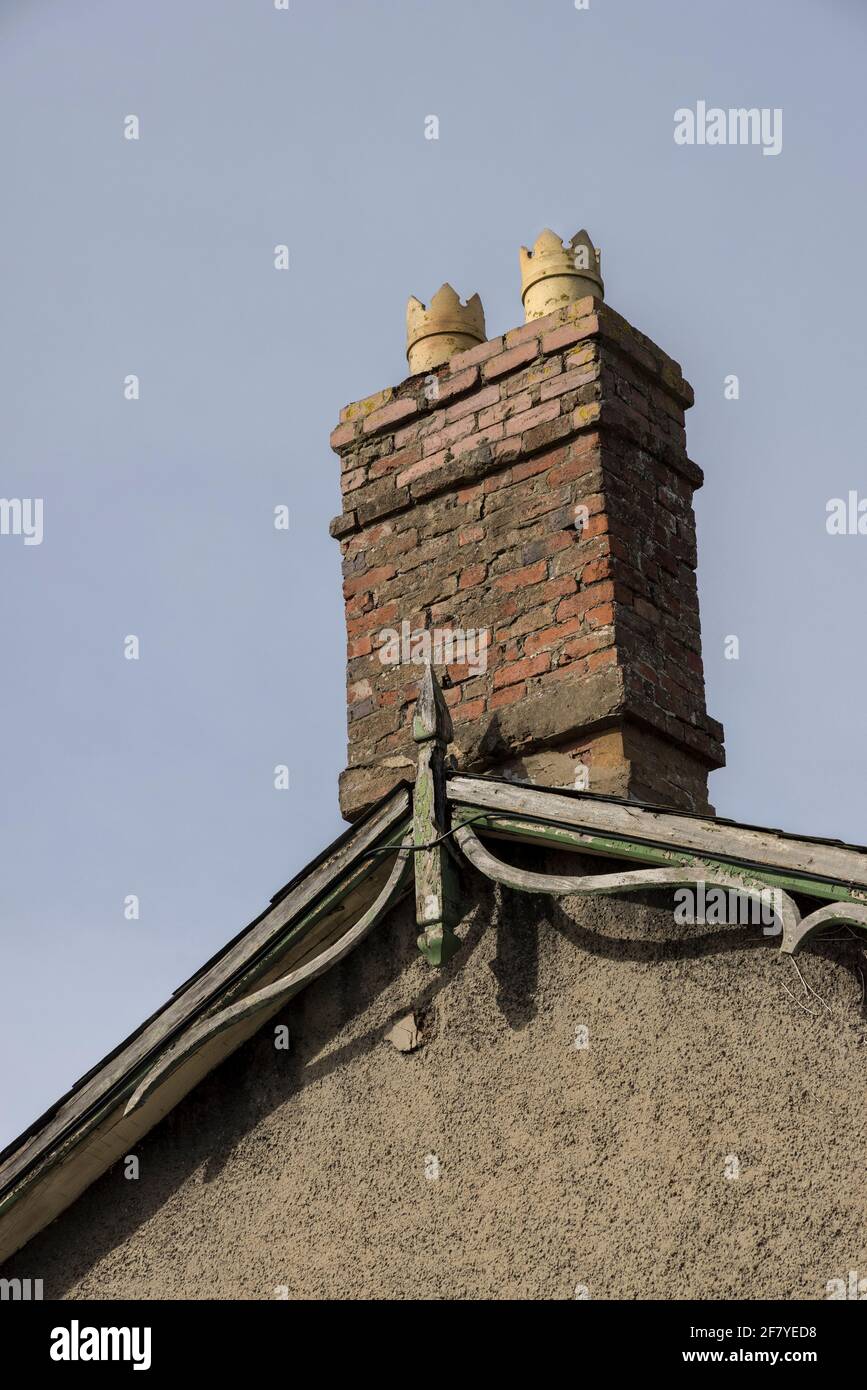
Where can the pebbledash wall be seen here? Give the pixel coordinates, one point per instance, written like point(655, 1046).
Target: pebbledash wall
point(536, 486)
point(703, 1140)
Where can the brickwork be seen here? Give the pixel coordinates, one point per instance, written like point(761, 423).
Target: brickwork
point(461, 490)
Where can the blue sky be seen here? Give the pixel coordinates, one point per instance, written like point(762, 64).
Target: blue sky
point(155, 257)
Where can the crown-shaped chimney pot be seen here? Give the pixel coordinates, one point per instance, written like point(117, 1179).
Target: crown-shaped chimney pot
point(555, 273)
point(434, 333)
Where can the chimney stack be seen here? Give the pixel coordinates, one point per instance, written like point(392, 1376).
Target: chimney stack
point(519, 513)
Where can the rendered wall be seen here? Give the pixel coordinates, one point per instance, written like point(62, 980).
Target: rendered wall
point(559, 1166)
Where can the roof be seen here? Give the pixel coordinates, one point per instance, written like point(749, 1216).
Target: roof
point(330, 859)
point(305, 916)
point(327, 909)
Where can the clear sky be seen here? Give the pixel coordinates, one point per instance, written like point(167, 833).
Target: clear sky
point(155, 257)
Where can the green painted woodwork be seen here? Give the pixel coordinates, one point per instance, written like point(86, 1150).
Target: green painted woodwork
point(437, 908)
point(590, 842)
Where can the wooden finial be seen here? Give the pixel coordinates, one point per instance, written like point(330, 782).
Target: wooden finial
point(436, 904)
point(431, 718)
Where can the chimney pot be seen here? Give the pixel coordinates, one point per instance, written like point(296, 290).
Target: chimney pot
point(555, 274)
point(436, 333)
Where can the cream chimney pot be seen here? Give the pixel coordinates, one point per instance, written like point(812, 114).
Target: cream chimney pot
point(554, 274)
point(435, 334)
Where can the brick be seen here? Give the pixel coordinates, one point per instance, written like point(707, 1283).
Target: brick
point(477, 440)
point(545, 434)
point(480, 353)
point(374, 618)
point(596, 525)
point(521, 670)
point(531, 621)
point(505, 450)
point(420, 469)
point(449, 434)
point(584, 600)
point(503, 409)
point(472, 576)
point(544, 545)
point(586, 415)
point(570, 333)
point(580, 356)
point(560, 586)
point(358, 606)
point(582, 646)
point(354, 479)
point(551, 637)
point(648, 611)
point(568, 381)
point(419, 429)
point(468, 709)
point(601, 616)
point(369, 580)
point(526, 333)
point(356, 410)
point(507, 361)
point(381, 504)
point(583, 308)
point(520, 578)
point(390, 414)
point(473, 404)
point(597, 660)
point(527, 418)
point(529, 467)
point(532, 376)
point(575, 466)
point(340, 526)
point(398, 462)
point(597, 569)
point(507, 696)
point(341, 435)
point(451, 471)
point(456, 384)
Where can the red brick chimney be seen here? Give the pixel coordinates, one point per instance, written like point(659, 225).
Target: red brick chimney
point(535, 487)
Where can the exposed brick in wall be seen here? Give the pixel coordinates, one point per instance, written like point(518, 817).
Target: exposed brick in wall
point(459, 513)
